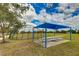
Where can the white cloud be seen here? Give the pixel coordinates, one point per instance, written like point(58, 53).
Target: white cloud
point(57, 17)
point(30, 14)
point(73, 20)
point(43, 16)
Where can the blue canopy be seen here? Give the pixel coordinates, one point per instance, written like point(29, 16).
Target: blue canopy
point(36, 22)
point(51, 26)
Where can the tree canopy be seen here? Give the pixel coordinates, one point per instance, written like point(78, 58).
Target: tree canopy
point(9, 18)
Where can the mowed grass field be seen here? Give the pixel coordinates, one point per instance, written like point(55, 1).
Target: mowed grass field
point(25, 47)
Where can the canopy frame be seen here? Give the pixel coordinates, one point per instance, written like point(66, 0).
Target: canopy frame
point(45, 36)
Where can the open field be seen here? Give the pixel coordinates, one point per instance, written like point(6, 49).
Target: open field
point(40, 35)
point(26, 47)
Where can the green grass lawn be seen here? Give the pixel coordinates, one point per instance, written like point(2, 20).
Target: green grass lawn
point(26, 47)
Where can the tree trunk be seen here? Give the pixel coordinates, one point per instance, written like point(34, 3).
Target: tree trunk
point(16, 36)
point(3, 33)
point(10, 36)
point(3, 37)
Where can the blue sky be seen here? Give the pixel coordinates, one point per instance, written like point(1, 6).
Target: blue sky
point(53, 8)
point(39, 6)
point(70, 11)
point(60, 13)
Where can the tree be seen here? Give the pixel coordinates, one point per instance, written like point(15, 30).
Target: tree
point(73, 31)
point(9, 18)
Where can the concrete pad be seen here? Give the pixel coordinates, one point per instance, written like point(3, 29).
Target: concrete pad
point(57, 43)
point(51, 43)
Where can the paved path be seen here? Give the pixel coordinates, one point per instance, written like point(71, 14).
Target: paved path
point(5, 37)
point(0, 38)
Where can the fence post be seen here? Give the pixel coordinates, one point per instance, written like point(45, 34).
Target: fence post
point(45, 37)
point(70, 34)
point(33, 35)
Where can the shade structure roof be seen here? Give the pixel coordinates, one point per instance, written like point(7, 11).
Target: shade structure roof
point(51, 26)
